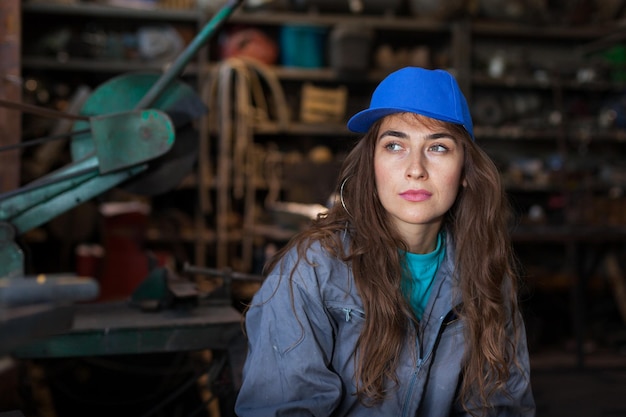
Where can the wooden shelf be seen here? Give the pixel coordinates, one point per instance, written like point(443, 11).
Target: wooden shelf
point(320, 129)
point(259, 17)
point(108, 11)
point(518, 30)
point(413, 24)
point(459, 40)
point(520, 133)
point(511, 81)
point(100, 66)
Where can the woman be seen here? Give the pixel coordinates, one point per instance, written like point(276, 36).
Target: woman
point(401, 300)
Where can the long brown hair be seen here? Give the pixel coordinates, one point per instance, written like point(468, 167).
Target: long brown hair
point(478, 224)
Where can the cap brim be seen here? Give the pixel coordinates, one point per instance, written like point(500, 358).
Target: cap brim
point(363, 120)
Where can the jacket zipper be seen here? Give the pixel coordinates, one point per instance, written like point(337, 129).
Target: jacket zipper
point(349, 312)
point(445, 321)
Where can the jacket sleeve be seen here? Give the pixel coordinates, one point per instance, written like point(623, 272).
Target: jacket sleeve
point(290, 345)
point(517, 399)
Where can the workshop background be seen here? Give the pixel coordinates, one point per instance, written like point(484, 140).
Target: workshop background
point(176, 251)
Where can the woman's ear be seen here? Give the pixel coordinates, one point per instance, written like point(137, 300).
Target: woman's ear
point(464, 183)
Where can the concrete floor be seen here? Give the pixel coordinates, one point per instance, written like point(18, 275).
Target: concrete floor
point(563, 389)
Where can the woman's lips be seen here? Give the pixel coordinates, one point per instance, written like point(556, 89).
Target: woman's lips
point(416, 195)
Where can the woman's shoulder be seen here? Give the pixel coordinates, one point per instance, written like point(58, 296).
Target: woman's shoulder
point(318, 251)
point(314, 265)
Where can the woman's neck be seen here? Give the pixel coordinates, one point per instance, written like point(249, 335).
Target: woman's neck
point(423, 240)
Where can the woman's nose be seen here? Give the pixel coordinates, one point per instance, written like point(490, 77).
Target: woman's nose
point(417, 167)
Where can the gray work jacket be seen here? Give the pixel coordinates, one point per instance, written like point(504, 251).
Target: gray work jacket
point(301, 347)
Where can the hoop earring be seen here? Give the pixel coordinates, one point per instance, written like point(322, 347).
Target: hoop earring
point(343, 203)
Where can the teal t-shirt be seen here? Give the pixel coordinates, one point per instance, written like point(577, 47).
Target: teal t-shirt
point(423, 268)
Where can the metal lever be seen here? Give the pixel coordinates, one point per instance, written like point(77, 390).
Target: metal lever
point(222, 273)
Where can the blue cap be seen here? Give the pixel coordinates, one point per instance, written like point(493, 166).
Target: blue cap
point(431, 93)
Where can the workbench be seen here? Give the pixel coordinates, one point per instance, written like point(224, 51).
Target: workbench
point(115, 328)
point(114, 339)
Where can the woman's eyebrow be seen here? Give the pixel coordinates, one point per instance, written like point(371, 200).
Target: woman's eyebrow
point(394, 133)
point(442, 135)
point(402, 135)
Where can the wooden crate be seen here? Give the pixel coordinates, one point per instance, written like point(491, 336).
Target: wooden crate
point(323, 104)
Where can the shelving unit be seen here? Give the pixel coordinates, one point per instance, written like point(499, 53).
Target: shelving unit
point(561, 163)
point(552, 66)
point(84, 12)
point(461, 41)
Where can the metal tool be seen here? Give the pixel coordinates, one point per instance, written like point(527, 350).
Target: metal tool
point(226, 273)
point(125, 124)
point(126, 127)
point(164, 289)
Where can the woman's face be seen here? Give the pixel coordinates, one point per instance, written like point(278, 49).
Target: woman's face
point(418, 170)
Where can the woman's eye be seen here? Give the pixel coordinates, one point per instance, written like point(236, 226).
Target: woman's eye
point(438, 148)
point(393, 146)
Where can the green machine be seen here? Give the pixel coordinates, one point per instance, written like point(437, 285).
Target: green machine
point(127, 131)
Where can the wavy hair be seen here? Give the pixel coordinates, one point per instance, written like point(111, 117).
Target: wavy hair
point(478, 223)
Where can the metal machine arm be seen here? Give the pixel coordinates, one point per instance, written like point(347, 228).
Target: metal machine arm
point(125, 127)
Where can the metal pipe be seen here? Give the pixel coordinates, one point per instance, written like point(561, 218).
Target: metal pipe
point(222, 273)
point(183, 59)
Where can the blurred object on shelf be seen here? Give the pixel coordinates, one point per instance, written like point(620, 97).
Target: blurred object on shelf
point(268, 4)
point(496, 109)
point(294, 216)
point(303, 46)
point(93, 41)
point(88, 259)
point(616, 56)
point(210, 6)
point(608, 10)
point(320, 155)
point(561, 12)
point(309, 181)
point(536, 214)
point(497, 61)
point(515, 10)
point(523, 172)
point(604, 210)
point(387, 58)
point(323, 104)
point(177, 4)
point(614, 174)
point(443, 10)
point(248, 42)
point(159, 43)
point(54, 1)
point(617, 279)
point(350, 48)
point(384, 57)
point(613, 115)
point(54, 42)
point(125, 264)
point(134, 4)
point(487, 110)
point(497, 65)
point(388, 7)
